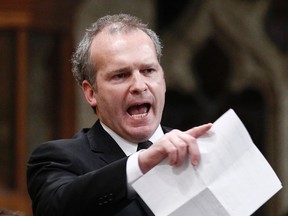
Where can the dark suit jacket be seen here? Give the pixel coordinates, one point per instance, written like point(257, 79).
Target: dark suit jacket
point(85, 175)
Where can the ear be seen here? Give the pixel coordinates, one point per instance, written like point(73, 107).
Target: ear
point(89, 93)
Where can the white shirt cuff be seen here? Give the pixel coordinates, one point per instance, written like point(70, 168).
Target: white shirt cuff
point(133, 172)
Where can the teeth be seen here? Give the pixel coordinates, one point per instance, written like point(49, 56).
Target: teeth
point(138, 111)
point(139, 115)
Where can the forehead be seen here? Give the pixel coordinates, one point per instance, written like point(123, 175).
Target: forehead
point(109, 44)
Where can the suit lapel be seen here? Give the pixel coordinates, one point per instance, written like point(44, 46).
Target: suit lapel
point(103, 144)
point(109, 151)
point(166, 129)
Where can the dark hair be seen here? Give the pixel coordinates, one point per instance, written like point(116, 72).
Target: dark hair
point(82, 66)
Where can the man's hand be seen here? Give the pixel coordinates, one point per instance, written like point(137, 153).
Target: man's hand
point(175, 145)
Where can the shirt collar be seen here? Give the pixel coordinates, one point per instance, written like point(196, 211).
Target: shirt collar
point(129, 147)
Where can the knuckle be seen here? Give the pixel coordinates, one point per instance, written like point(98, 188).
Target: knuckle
point(182, 145)
point(171, 150)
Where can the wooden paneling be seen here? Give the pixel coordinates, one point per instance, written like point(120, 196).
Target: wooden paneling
point(23, 18)
point(21, 110)
point(16, 202)
point(44, 14)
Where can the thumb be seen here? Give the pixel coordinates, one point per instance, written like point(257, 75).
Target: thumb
point(199, 130)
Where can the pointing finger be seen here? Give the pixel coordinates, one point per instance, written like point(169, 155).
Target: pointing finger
point(200, 130)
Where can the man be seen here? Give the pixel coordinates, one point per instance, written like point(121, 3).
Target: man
point(117, 65)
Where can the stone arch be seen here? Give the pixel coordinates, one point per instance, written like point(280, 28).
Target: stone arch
point(258, 71)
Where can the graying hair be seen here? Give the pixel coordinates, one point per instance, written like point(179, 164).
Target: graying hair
point(82, 66)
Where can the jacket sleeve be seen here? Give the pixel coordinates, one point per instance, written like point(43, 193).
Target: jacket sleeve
point(60, 185)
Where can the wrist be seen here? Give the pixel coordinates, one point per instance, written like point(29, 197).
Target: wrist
point(147, 160)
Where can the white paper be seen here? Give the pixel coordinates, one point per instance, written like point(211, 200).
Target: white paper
point(233, 177)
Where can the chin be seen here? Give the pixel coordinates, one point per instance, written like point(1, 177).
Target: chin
point(138, 135)
point(143, 133)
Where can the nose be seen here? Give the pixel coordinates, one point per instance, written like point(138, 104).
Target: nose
point(138, 83)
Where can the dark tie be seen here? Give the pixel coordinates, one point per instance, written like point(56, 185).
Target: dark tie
point(144, 145)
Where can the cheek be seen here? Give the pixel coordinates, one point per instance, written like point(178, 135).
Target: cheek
point(110, 99)
point(160, 97)
point(162, 102)
point(161, 89)
point(163, 93)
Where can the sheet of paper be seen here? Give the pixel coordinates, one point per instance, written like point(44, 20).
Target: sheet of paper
point(233, 177)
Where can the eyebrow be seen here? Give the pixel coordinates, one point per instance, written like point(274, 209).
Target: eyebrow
point(129, 68)
point(122, 69)
point(149, 65)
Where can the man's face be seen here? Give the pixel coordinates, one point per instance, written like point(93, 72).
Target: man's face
point(130, 92)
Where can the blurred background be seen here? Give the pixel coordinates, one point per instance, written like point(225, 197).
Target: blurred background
point(218, 54)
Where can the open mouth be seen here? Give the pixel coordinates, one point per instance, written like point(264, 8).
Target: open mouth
point(139, 111)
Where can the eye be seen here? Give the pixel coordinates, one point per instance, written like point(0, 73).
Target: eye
point(148, 71)
point(119, 76)
point(122, 75)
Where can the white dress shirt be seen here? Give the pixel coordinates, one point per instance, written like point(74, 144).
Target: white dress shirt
point(130, 149)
